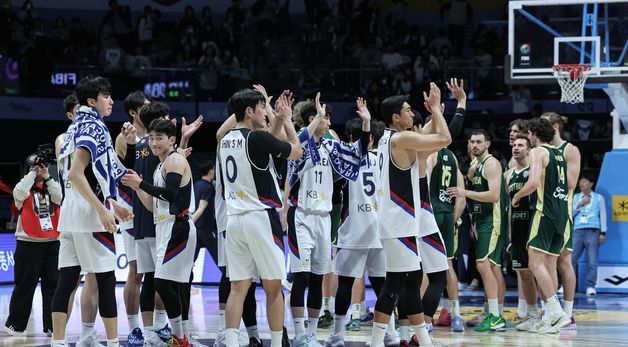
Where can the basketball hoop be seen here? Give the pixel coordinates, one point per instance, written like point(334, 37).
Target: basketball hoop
point(571, 78)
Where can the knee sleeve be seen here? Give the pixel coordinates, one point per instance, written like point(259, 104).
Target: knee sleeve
point(250, 307)
point(377, 283)
point(301, 281)
point(184, 297)
point(343, 294)
point(224, 287)
point(315, 292)
point(169, 293)
point(68, 276)
point(438, 282)
point(411, 300)
point(388, 295)
point(147, 293)
point(107, 294)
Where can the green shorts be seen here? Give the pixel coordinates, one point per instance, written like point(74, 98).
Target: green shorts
point(520, 233)
point(490, 242)
point(445, 222)
point(335, 222)
point(546, 235)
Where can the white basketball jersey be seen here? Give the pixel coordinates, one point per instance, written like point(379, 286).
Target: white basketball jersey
point(427, 221)
point(398, 194)
point(246, 186)
point(220, 206)
point(182, 205)
point(358, 219)
point(314, 188)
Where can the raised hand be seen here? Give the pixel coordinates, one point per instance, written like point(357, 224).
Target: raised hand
point(363, 111)
point(129, 133)
point(457, 89)
point(433, 99)
point(283, 107)
point(131, 179)
point(320, 109)
point(260, 88)
point(187, 130)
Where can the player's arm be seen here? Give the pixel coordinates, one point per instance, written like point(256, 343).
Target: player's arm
point(187, 130)
point(572, 154)
point(227, 125)
point(320, 113)
point(537, 156)
point(202, 205)
point(125, 144)
point(284, 115)
point(493, 174)
point(58, 143)
point(460, 203)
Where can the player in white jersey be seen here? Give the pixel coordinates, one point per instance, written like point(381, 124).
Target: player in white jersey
point(254, 244)
point(359, 249)
point(309, 222)
point(171, 200)
point(398, 210)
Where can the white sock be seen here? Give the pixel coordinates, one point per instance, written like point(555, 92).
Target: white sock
point(176, 325)
point(275, 338)
point(221, 319)
point(339, 325)
point(533, 311)
point(186, 327)
point(161, 318)
point(324, 306)
point(231, 337)
point(455, 308)
point(391, 325)
point(253, 332)
point(522, 308)
point(377, 337)
point(58, 343)
point(356, 311)
point(493, 307)
point(362, 309)
point(568, 307)
point(113, 343)
point(332, 305)
point(312, 325)
point(148, 328)
point(404, 332)
point(543, 305)
point(446, 304)
point(87, 329)
point(553, 305)
point(299, 326)
point(501, 309)
point(134, 321)
point(421, 332)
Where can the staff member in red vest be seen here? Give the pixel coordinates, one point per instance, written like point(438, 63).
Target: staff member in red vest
point(37, 196)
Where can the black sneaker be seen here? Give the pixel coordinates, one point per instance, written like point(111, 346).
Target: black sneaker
point(326, 320)
point(285, 340)
point(253, 342)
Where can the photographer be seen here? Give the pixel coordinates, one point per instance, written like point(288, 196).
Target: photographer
point(37, 196)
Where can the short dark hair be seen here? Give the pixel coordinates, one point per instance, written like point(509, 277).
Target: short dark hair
point(522, 124)
point(308, 109)
point(377, 130)
point(553, 118)
point(240, 100)
point(206, 166)
point(392, 105)
point(134, 101)
point(152, 111)
point(487, 135)
point(523, 137)
point(588, 175)
point(541, 128)
point(69, 102)
point(90, 87)
point(162, 126)
point(353, 128)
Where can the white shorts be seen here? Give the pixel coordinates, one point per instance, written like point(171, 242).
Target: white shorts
point(176, 243)
point(309, 236)
point(146, 253)
point(402, 254)
point(222, 256)
point(354, 262)
point(254, 246)
point(433, 253)
point(128, 238)
point(93, 252)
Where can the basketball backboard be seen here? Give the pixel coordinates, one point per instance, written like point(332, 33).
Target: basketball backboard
point(542, 34)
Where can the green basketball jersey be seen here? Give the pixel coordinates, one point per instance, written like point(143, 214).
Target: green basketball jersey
point(444, 175)
point(552, 195)
point(483, 210)
point(521, 214)
point(562, 148)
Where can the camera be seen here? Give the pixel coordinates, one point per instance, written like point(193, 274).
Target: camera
point(44, 155)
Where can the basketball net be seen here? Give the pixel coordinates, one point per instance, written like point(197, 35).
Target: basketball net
point(571, 78)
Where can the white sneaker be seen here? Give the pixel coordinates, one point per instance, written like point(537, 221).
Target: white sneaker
point(391, 339)
point(312, 341)
point(90, 340)
point(151, 339)
point(335, 340)
point(591, 291)
point(243, 338)
point(194, 342)
point(220, 338)
point(553, 323)
point(300, 341)
point(9, 330)
point(526, 324)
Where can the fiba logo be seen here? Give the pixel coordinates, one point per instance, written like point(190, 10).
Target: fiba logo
point(524, 49)
point(524, 58)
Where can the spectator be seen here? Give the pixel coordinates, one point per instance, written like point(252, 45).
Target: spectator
point(460, 14)
point(391, 58)
point(520, 96)
point(145, 26)
point(589, 214)
point(583, 128)
point(112, 56)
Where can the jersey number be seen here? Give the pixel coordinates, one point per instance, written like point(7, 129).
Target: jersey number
point(446, 176)
point(233, 173)
point(561, 174)
point(367, 182)
point(318, 177)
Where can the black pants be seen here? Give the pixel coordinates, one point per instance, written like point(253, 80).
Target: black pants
point(207, 238)
point(33, 261)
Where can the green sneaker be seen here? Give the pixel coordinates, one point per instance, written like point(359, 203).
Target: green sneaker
point(491, 323)
point(353, 325)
